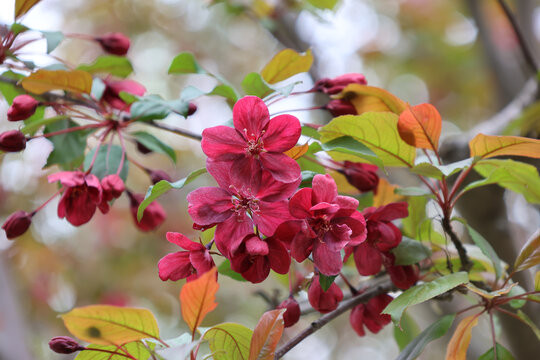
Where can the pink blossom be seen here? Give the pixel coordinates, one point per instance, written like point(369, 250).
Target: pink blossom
point(369, 315)
point(337, 84)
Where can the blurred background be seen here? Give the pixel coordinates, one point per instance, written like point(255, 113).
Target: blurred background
point(460, 55)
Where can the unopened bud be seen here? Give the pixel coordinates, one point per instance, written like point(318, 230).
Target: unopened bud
point(338, 107)
point(65, 345)
point(143, 149)
point(191, 109)
point(22, 108)
point(114, 43)
point(17, 224)
point(158, 175)
point(12, 141)
point(336, 85)
point(292, 314)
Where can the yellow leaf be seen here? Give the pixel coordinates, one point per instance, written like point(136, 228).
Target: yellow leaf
point(487, 146)
point(297, 151)
point(23, 6)
point(106, 324)
point(420, 126)
point(41, 81)
point(198, 297)
point(529, 254)
point(491, 294)
point(457, 348)
point(266, 335)
point(385, 193)
point(286, 64)
point(370, 98)
point(537, 281)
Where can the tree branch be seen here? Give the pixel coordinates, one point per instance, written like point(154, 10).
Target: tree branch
point(181, 132)
point(372, 292)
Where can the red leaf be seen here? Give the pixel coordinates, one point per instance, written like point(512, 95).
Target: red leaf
point(420, 126)
point(198, 298)
point(266, 335)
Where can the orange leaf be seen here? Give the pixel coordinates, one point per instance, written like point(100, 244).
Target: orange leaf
point(385, 194)
point(197, 298)
point(487, 146)
point(369, 98)
point(457, 348)
point(23, 6)
point(266, 335)
point(297, 151)
point(46, 80)
point(420, 126)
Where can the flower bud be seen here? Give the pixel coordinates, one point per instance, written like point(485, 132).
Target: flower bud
point(362, 176)
point(191, 109)
point(338, 107)
point(12, 141)
point(142, 149)
point(64, 345)
point(158, 175)
point(324, 301)
point(292, 314)
point(336, 85)
point(114, 43)
point(112, 186)
point(111, 95)
point(22, 108)
point(17, 224)
point(153, 216)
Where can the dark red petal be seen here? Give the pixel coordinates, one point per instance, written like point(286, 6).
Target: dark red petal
point(324, 189)
point(337, 237)
point(282, 133)
point(175, 266)
point(201, 260)
point(209, 205)
point(250, 116)
point(256, 246)
point(246, 172)
point(357, 319)
point(389, 236)
point(220, 170)
point(68, 178)
point(271, 190)
point(270, 216)
point(279, 258)
point(229, 234)
point(182, 241)
point(258, 271)
point(300, 204)
point(329, 262)
point(79, 208)
point(390, 212)
point(292, 314)
point(223, 143)
point(368, 259)
point(282, 167)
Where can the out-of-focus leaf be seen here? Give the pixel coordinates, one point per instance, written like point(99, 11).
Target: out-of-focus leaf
point(423, 292)
point(106, 324)
point(377, 130)
point(413, 191)
point(107, 161)
point(386, 193)
point(225, 91)
point(369, 98)
point(23, 6)
point(69, 147)
point(135, 349)
point(515, 291)
point(491, 294)
point(53, 38)
point(323, 4)
point(253, 84)
point(285, 64)
point(529, 255)
point(229, 341)
point(432, 332)
point(41, 81)
point(326, 281)
point(459, 343)
point(502, 354)
point(438, 171)
point(297, 151)
point(153, 107)
point(225, 269)
point(109, 64)
point(185, 63)
point(408, 332)
point(10, 91)
point(410, 252)
point(153, 143)
point(16, 28)
point(417, 214)
point(537, 281)
point(429, 234)
point(266, 335)
point(486, 146)
point(311, 132)
point(198, 298)
point(162, 187)
point(349, 145)
point(420, 126)
point(527, 320)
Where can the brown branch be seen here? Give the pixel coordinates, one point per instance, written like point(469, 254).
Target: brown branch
point(181, 132)
point(466, 263)
point(376, 290)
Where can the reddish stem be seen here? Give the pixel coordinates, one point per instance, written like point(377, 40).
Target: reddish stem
point(45, 203)
point(71, 129)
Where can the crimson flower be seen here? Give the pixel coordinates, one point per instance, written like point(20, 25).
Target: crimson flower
point(12, 141)
point(339, 107)
point(111, 95)
point(254, 258)
point(17, 224)
point(382, 237)
point(65, 345)
point(22, 108)
point(153, 216)
point(255, 143)
point(370, 315)
point(324, 301)
point(292, 314)
point(362, 176)
point(237, 207)
point(327, 222)
point(114, 43)
point(336, 85)
point(188, 264)
point(112, 187)
point(403, 276)
point(82, 194)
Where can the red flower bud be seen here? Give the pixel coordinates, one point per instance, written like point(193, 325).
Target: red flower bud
point(142, 149)
point(403, 276)
point(191, 109)
point(292, 314)
point(112, 186)
point(111, 95)
point(64, 345)
point(338, 107)
point(17, 224)
point(153, 216)
point(114, 43)
point(22, 108)
point(362, 176)
point(158, 175)
point(336, 85)
point(12, 141)
point(324, 301)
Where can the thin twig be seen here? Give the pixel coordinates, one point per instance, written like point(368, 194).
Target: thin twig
point(466, 263)
point(182, 132)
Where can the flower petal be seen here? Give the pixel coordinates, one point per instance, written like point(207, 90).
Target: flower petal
point(222, 143)
point(209, 205)
point(282, 133)
point(270, 216)
point(282, 167)
point(329, 262)
point(368, 260)
point(324, 189)
point(182, 241)
point(250, 115)
point(230, 233)
point(280, 261)
point(300, 203)
point(174, 266)
point(271, 190)
point(256, 246)
point(258, 271)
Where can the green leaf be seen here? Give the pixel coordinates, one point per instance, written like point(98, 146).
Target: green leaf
point(135, 349)
point(417, 214)
point(162, 187)
point(69, 147)
point(229, 341)
point(191, 92)
point(53, 38)
point(429, 234)
point(410, 252)
point(537, 281)
point(323, 4)
point(326, 281)
point(285, 64)
point(527, 320)
point(185, 63)
point(109, 64)
point(153, 107)
point(225, 269)
point(16, 28)
point(10, 91)
point(253, 84)
point(107, 161)
point(432, 332)
point(377, 130)
point(408, 332)
point(485, 246)
point(529, 255)
point(502, 354)
point(348, 145)
point(513, 175)
point(153, 143)
point(423, 292)
point(225, 91)
point(438, 171)
point(413, 191)
point(311, 132)
point(307, 178)
point(307, 165)
point(515, 291)
point(37, 118)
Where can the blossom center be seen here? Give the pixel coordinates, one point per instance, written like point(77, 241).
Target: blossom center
point(255, 145)
point(245, 204)
point(321, 226)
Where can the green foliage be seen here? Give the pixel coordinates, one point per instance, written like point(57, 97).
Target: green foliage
point(350, 146)
point(185, 63)
point(153, 143)
point(136, 349)
point(109, 64)
point(408, 332)
point(410, 252)
point(326, 281)
point(69, 148)
point(53, 38)
point(502, 354)
point(153, 107)
point(439, 171)
point(253, 84)
point(229, 341)
point(107, 161)
point(225, 269)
